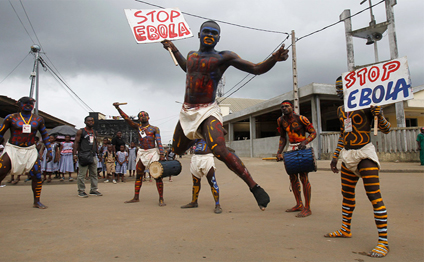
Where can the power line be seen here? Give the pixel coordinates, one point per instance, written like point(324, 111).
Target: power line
point(21, 22)
point(15, 68)
point(30, 23)
point(216, 20)
point(63, 82)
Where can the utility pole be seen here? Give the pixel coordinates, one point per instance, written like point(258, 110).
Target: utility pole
point(34, 76)
point(294, 64)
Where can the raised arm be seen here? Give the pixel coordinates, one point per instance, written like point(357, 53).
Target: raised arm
point(182, 62)
point(383, 124)
point(280, 55)
point(125, 117)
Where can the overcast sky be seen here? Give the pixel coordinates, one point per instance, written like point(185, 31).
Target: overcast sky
point(90, 44)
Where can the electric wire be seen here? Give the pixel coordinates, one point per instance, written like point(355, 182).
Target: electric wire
point(224, 22)
point(15, 68)
point(21, 22)
point(63, 82)
point(30, 23)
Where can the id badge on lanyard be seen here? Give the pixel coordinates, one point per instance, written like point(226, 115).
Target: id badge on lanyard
point(26, 129)
point(348, 124)
point(91, 139)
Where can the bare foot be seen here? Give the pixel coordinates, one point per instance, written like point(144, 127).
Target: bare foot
point(381, 250)
point(39, 205)
point(218, 209)
point(132, 201)
point(161, 203)
point(338, 233)
point(15, 181)
point(190, 205)
point(295, 208)
point(304, 213)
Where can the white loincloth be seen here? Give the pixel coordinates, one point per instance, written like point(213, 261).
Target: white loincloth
point(201, 164)
point(192, 118)
point(147, 156)
point(352, 157)
point(292, 147)
point(22, 159)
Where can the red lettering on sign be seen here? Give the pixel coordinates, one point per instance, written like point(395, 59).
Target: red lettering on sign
point(166, 16)
point(138, 14)
point(174, 14)
point(139, 32)
point(389, 68)
point(374, 74)
point(361, 74)
point(182, 29)
point(350, 79)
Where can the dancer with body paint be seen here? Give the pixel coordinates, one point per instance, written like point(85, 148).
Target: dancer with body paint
point(20, 154)
point(296, 126)
point(150, 150)
point(203, 164)
point(359, 160)
point(200, 116)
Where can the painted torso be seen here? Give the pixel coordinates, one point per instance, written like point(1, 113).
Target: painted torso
point(149, 139)
point(296, 127)
point(204, 70)
point(17, 137)
point(361, 127)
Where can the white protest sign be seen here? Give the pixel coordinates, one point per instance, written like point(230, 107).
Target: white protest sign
point(376, 85)
point(156, 25)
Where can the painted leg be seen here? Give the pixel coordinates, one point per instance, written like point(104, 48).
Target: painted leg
point(215, 190)
point(295, 184)
point(195, 193)
point(369, 174)
point(306, 211)
point(213, 132)
point(349, 181)
point(35, 173)
point(138, 183)
point(159, 185)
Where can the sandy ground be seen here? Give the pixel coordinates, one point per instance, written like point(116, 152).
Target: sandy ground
point(106, 229)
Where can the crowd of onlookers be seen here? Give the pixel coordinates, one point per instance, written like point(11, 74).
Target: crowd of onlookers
point(115, 160)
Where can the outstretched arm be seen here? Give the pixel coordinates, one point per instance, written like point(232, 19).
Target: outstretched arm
point(125, 117)
point(180, 58)
point(280, 55)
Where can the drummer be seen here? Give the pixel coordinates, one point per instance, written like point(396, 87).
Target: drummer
point(150, 150)
point(296, 126)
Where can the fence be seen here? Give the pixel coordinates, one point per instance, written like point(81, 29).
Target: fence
point(400, 141)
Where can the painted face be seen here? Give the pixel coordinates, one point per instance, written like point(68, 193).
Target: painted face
point(339, 88)
point(143, 116)
point(286, 108)
point(26, 106)
point(209, 36)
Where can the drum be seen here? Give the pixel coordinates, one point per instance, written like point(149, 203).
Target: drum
point(300, 161)
point(160, 169)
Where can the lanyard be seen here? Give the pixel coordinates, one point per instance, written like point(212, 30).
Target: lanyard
point(23, 119)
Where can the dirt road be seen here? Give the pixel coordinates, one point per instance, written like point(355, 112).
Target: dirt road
point(106, 229)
